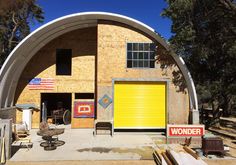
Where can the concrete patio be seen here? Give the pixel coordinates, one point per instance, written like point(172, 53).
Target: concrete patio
point(80, 144)
point(82, 148)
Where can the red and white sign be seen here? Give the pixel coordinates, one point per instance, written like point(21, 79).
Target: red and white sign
point(185, 130)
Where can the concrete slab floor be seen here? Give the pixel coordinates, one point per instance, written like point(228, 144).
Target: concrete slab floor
point(80, 144)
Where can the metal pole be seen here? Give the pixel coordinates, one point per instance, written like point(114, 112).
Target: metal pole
point(44, 112)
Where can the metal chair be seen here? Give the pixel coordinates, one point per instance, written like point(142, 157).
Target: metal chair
point(61, 114)
point(57, 114)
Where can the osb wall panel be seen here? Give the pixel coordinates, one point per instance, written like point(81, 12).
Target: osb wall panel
point(112, 41)
point(178, 106)
point(83, 43)
point(83, 123)
point(104, 113)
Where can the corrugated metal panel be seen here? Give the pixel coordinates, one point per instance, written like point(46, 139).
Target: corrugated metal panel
point(139, 105)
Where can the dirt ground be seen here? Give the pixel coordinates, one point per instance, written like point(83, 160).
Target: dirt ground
point(232, 147)
point(220, 162)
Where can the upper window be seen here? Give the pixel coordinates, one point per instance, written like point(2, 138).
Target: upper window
point(141, 55)
point(63, 61)
point(84, 95)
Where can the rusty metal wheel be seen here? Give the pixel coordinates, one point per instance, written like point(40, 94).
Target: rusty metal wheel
point(67, 117)
point(59, 143)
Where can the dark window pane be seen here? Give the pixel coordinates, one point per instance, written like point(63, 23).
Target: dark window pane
point(63, 61)
point(140, 64)
point(152, 64)
point(140, 46)
point(129, 64)
point(135, 63)
point(129, 55)
point(146, 46)
point(84, 95)
point(145, 55)
point(152, 55)
point(135, 46)
point(145, 64)
point(135, 55)
point(152, 47)
point(129, 46)
point(140, 55)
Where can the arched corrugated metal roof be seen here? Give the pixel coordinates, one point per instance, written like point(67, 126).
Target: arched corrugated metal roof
point(26, 49)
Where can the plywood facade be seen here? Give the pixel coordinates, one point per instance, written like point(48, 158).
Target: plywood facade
point(99, 57)
point(83, 43)
point(112, 41)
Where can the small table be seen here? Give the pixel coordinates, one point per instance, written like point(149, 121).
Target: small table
point(48, 136)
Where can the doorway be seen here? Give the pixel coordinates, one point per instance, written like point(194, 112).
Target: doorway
point(54, 101)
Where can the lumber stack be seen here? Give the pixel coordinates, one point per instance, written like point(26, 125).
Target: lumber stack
point(21, 135)
point(171, 157)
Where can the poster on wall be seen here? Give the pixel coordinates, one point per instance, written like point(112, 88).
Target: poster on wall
point(41, 84)
point(84, 109)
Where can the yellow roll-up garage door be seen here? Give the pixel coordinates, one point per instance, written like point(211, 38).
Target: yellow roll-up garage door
point(139, 105)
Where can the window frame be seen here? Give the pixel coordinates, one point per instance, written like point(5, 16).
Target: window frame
point(137, 60)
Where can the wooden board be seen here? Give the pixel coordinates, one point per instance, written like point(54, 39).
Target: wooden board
point(191, 152)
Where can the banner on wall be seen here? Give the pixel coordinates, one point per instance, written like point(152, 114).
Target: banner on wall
point(84, 109)
point(41, 84)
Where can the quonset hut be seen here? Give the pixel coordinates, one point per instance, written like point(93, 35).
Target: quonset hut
point(99, 66)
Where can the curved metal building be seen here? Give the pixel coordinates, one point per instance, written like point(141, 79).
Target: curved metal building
point(106, 62)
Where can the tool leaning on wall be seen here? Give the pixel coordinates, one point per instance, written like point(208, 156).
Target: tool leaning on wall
point(3, 147)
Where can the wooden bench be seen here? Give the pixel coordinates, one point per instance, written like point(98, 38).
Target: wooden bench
point(103, 125)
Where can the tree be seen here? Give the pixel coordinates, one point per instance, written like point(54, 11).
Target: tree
point(204, 34)
point(15, 19)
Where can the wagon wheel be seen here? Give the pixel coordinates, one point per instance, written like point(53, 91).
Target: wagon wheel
point(59, 143)
point(67, 117)
point(44, 144)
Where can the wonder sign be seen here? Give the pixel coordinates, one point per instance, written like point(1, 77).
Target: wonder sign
point(185, 130)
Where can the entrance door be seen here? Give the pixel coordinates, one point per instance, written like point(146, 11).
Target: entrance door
point(139, 105)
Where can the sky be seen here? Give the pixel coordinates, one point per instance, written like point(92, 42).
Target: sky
point(146, 11)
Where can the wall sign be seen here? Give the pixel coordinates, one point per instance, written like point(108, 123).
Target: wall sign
point(185, 130)
point(41, 84)
point(83, 109)
point(105, 101)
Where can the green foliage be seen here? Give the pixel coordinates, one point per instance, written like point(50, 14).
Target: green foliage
point(15, 19)
point(205, 36)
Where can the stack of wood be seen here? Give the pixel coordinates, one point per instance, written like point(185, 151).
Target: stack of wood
point(171, 157)
point(21, 135)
